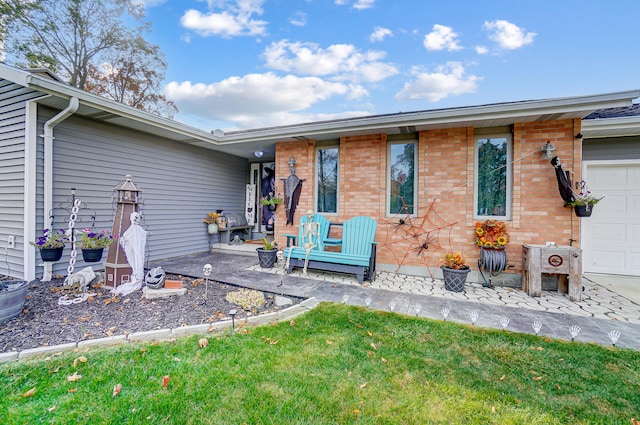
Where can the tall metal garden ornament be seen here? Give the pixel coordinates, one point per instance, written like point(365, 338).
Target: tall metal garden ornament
point(206, 270)
point(420, 235)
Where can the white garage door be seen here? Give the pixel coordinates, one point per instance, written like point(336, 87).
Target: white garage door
point(611, 236)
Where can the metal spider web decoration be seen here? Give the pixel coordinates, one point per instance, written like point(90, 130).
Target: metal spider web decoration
point(421, 236)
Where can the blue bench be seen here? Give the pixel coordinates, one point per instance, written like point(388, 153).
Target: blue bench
point(358, 254)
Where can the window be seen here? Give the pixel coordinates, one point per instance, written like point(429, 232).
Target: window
point(327, 179)
point(402, 182)
point(493, 177)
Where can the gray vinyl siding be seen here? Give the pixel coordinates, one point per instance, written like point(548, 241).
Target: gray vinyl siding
point(12, 150)
point(180, 183)
point(611, 148)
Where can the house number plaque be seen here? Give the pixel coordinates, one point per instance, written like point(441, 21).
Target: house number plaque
point(555, 260)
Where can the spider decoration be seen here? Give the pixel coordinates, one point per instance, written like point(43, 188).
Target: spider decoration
point(420, 235)
point(429, 240)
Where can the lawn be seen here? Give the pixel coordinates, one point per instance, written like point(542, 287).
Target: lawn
point(337, 364)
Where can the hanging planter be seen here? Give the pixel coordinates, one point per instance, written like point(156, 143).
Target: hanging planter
point(583, 210)
point(92, 255)
point(51, 254)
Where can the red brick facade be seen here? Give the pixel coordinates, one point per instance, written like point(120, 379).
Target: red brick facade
point(445, 190)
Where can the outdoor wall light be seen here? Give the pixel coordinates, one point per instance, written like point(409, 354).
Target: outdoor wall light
point(548, 151)
point(259, 153)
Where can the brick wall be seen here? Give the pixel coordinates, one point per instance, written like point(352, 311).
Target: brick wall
point(444, 211)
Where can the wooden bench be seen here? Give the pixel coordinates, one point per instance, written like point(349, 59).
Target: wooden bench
point(236, 222)
point(358, 254)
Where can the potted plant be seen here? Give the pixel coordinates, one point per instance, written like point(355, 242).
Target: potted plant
point(268, 254)
point(12, 297)
point(51, 244)
point(271, 201)
point(583, 203)
point(454, 271)
point(211, 221)
point(94, 243)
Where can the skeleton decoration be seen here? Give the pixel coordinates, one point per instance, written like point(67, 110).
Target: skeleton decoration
point(75, 287)
point(133, 241)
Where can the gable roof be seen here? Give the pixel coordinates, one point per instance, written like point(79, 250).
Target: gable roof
point(244, 143)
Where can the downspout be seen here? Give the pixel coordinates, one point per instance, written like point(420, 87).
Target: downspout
point(48, 170)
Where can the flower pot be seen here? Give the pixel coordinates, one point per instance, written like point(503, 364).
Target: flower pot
point(454, 280)
point(267, 257)
point(51, 254)
point(12, 296)
point(272, 207)
point(212, 228)
point(583, 210)
point(92, 255)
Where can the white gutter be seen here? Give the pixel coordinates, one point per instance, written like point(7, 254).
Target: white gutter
point(48, 168)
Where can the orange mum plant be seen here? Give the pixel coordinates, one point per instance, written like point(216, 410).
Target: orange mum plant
point(454, 261)
point(491, 234)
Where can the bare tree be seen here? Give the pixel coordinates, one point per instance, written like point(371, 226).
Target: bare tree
point(74, 38)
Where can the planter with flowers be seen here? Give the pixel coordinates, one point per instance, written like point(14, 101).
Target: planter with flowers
point(582, 204)
point(268, 254)
point(271, 201)
point(454, 271)
point(94, 243)
point(51, 244)
point(491, 237)
point(211, 221)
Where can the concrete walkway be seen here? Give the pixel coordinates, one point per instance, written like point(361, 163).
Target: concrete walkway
point(600, 312)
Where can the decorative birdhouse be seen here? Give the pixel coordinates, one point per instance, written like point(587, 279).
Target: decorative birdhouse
point(127, 198)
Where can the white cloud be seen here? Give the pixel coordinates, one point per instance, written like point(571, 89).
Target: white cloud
point(298, 19)
point(447, 80)
point(508, 36)
point(379, 34)
point(339, 61)
point(257, 100)
point(482, 50)
point(148, 3)
point(441, 38)
point(359, 4)
point(234, 19)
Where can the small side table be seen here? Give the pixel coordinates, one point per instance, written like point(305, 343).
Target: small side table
point(565, 261)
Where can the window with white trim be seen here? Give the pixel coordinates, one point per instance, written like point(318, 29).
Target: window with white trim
point(493, 176)
point(327, 161)
point(401, 177)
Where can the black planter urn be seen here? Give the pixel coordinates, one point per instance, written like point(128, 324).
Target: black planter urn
point(583, 210)
point(92, 255)
point(267, 257)
point(51, 254)
point(454, 280)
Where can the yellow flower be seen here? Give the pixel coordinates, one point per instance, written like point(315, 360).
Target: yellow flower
point(479, 231)
point(502, 240)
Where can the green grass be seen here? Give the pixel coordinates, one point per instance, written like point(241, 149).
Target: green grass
point(335, 365)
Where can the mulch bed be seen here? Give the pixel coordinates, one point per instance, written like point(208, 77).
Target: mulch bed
point(45, 323)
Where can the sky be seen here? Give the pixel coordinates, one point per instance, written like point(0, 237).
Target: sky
point(245, 64)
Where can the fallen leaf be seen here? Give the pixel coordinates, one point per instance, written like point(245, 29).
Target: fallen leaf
point(81, 359)
point(356, 411)
point(292, 322)
point(558, 387)
point(273, 342)
point(73, 390)
point(426, 383)
point(55, 370)
point(493, 409)
point(329, 342)
point(634, 421)
point(75, 377)
point(203, 342)
point(503, 377)
point(29, 393)
point(116, 389)
point(348, 374)
point(51, 409)
point(363, 385)
point(383, 360)
point(537, 378)
point(369, 333)
point(374, 346)
point(165, 381)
